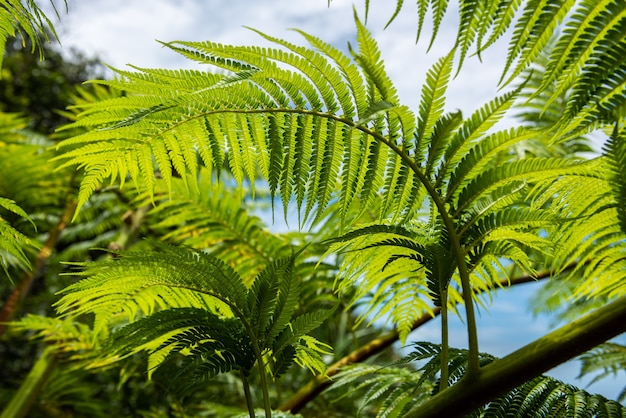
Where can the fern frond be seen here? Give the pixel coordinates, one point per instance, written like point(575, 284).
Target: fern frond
point(27, 19)
point(286, 299)
point(141, 282)
point(13, 244)
point(210, 344)
point(470, 134)
point(596, 239)
point(211, 218)
point(432, 103)
point(608, 358)
point(615, 150)
point(532, 32)
point(298, 116)
point(389, 389)
point(526, 170)
point(411, 266)
point(548, 397)
point(430, 354)
point(69, 337)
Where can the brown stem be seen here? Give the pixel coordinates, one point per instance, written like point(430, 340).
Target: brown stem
point(21, 289)
point(319, 383)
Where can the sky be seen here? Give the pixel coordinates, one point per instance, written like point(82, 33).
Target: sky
point(125, 32)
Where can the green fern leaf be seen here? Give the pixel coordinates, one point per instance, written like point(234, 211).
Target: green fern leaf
point(432, 100)
point(472, 131)
point(286, 298)
point(142, 281)
point(533, 31)
point(14, 244)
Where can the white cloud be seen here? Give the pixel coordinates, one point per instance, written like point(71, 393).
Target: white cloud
point(125, 32)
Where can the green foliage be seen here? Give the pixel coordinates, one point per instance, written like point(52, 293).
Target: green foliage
point(586, 61)
point(12, 242)
point(410, 213)
point(547, 397)
point(211, 319)
point(606, 359)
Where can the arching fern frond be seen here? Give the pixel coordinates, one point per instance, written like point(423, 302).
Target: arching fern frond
point(397, 281)
point(293, 114)
point(210, 344)
point(587, 61)
point(143, 282)
point(596, 241)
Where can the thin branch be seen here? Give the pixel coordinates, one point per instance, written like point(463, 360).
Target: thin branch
point(322, 382)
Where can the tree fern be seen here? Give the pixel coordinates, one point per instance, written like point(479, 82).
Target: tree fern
point(326, 130)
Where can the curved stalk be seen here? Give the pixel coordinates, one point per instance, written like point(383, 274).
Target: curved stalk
point(455, 242)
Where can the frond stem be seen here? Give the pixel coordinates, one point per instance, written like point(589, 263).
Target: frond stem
point(473, 364)
point(262, 373)
point(246, 391)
